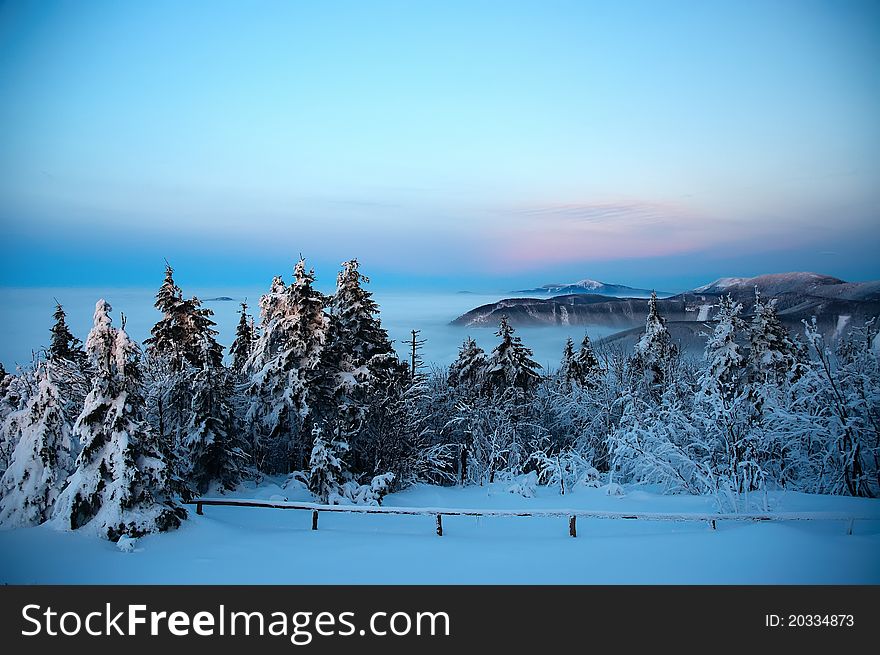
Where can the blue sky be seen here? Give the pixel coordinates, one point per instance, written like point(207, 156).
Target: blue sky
point(445, 144)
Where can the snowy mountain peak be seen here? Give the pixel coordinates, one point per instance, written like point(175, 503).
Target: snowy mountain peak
point(588, 285)
point(721, 283)
point(772, 283)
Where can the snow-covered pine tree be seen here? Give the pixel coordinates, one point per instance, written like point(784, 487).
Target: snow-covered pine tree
point(729, 415)
point(44, 456)
point(274, 307)
point(182, 346)
point(167, 337)
point(774, 357)
point(568, 367)
point(469, 368)
point(510, 364)
point(289, 385)
point(202, 347)
point(723, 374)
point(358, 332)
point(63, 344)
point(185, 334)
point(362, 367)
point(17, 391)
point(214, 451)
point(119, 486)
point(589, 366)
point(241, 347)
point(326, 466)
point(654, 349)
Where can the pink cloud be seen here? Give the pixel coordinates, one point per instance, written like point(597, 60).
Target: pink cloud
point(560, 233)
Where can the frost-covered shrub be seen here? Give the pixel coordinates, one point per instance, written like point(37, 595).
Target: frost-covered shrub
point(566, 470)
point(525, 484)
point(352, 493)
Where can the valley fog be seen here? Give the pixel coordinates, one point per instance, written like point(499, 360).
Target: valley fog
point(27, 317)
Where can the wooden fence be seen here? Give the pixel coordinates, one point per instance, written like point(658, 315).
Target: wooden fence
point(572, 515)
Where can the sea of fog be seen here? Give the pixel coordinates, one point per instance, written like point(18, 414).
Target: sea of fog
point(27, 317)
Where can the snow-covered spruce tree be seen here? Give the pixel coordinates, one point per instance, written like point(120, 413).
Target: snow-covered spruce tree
point(581, 368)
point(326, 466)
point(568, 367)
point(289, 385)
point(167, 338)
point(44, 456)
point(724, 370)
point(392, 436)
point(185, 334)
point(730, 420)
point(241, 347)
point(655, 349)
point(468, 369)
point(17, 391)
point(63, 344)
point(187, 393)
point(45, 452)
point(365, 376)
point(274, 307)
point(214, 451)
point(590, 368)
point(774, 357)
point(119, 486)
point(510, 364)
point(357, 328)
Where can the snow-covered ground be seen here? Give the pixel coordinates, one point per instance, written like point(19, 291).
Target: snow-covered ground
point(252, 545)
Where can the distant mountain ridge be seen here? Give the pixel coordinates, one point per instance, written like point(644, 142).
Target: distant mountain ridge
point(591, 287)
point(800, 296)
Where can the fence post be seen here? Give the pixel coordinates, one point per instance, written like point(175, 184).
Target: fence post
point(439, 525)
point(712, 523)
point(315, 520)
point(572, 525)
point(199, 509)
point(849, 526)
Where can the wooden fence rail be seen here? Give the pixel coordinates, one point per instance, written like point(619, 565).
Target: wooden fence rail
point(571, 514)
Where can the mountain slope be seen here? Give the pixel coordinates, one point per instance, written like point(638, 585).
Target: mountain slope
point(800, 296)
point(588, 286)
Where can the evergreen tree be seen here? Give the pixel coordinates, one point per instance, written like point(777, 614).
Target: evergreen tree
point(63, 344)
point(363, 373)
point(185, 335)
point(17, 391)
point(469, 367)
point(588, 365)
point(214, 451)
point(120, 483)
point(288, 388)
point(358, 333)
point(167, 337)
point(43, 457)
point(326, 466)
point(182, 346)
point(774, 358)
point(510, 364)
point(568, 368)
point(274, 307)
point(723, 374)
point(243, 345)
point(654, 349)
